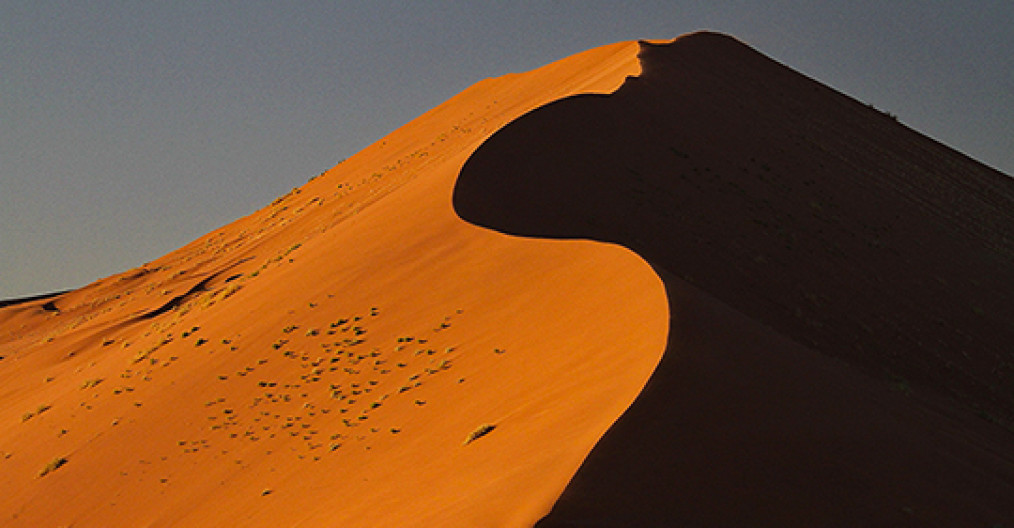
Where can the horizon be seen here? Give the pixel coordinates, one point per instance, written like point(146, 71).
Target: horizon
point(130, 132)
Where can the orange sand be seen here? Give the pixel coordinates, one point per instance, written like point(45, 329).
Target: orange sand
point(831, 291)
point(216, 427)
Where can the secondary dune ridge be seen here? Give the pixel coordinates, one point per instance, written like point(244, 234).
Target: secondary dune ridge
point(840, 290)
point(829, 289)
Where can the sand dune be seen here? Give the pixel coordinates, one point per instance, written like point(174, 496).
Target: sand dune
point(323, 361)
point(840, 290)
point(784, 307)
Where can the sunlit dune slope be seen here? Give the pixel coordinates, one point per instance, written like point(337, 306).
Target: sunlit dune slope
point(841, 292)
point(353, 354)
point(832, 292)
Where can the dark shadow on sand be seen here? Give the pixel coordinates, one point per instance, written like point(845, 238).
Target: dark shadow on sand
point(49, 306)
point(840, 292)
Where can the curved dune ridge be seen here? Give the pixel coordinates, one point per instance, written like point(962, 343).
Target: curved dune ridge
point(691, 287)
point(351, 355)
point(840, 287)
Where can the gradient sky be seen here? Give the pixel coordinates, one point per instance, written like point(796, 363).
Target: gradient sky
point(128, 129)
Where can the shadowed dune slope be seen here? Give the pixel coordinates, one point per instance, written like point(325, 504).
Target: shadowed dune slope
point(323, 361)
point(841, 291)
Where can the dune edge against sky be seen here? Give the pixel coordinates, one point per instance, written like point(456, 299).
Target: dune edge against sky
point(330, 355)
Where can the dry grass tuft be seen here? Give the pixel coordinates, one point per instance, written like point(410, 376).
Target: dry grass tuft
point(478, 433)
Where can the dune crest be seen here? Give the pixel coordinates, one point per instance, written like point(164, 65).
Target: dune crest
point(351, 355)
point(840, 291)
point(830, 289)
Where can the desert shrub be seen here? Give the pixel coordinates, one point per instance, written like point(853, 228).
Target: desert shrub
point(52, 466)
point(478, 433)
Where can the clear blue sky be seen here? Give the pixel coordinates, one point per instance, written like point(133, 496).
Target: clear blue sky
point(128, 129)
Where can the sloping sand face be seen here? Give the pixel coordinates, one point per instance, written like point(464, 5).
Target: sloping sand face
point(840, 290)
point(832, 291)
point(332, 359)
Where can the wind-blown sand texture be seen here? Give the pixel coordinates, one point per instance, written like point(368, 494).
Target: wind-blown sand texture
point(831, 291)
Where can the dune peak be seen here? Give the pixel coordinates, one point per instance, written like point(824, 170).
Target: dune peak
point(655, 283)
point(814, 228)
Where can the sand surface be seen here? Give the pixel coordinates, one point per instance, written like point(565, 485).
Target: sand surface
point(652, 284)
point(323, 361)
point(841, 291)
